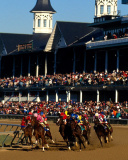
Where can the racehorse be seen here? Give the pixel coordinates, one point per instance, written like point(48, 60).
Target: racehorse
point(86, 131)
point(27, 133)
point(63, 129)
point(76, 132)
point(60, 123)
point(101, 131)
point(39, 132)
point(70, 132)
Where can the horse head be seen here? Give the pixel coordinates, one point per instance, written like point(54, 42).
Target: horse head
point(33, 121)
point(73, 124)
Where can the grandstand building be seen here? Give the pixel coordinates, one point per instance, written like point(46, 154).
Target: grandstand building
point(68, 47)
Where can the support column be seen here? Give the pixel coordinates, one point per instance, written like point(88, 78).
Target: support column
point(57, 97)
point(68, 96)
point(21, 66)
point(13, 75)
point(38, 98)
point(106, 62)
point(12, 96)
point(46, 67)
point(116, 95)
point(20, 95)
point(84, 62)
point(95, 62)
point(37, 68)
point(98, 96)
point(47, 97)
point(81, 96)
point(117, 69)
point(55, 61)
point(74, 62)
point(28, 98)
point(29, 63)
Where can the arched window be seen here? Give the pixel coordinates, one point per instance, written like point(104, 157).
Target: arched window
point(45, 22)
point(39, 23)
point(108, 9)
point(101, 9)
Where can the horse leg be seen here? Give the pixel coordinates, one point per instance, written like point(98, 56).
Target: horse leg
point(111, 137)
point(26, 139)
point(48, 134)
point(43, 141)
point(88, 137)
point(36, 142)
point(80, 140)
point(68, 144)
point(22, 140)
point(106, 137)
point(30, 139)
point(100, 140)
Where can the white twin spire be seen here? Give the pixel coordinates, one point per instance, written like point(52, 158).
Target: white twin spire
point(105, 7)
point(43, 17)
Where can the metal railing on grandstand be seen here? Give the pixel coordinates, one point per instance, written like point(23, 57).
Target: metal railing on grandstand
point(54, 119)
point(43, 85)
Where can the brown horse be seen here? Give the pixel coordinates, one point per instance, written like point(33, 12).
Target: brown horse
point(27, 133)
point(76, 132)
point(87, 130)
point(60, 123)
point(101, 131)
point(39, 132)
point(63, 130)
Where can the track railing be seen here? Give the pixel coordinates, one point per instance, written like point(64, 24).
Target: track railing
point(54, 118)
point(6, 131)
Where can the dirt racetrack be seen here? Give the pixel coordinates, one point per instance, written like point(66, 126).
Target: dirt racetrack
point(115, 150)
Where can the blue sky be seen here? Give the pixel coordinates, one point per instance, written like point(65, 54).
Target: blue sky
point(16, 18)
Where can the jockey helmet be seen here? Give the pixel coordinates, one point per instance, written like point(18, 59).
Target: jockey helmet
point(35, 114)
point(96, 114)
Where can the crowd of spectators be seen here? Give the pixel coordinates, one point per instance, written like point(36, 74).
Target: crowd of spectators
point(110, 109)
point(119, 34)
point(72, 79)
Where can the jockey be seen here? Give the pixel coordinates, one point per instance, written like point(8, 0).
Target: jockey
point(102, 119)
point(84, 115)
point(75, 117)
point(64, 116)
point(29, 120)
point(85, 120)
point(41, 120)
point(99, 117)
point(23, 123)
point(45, 119)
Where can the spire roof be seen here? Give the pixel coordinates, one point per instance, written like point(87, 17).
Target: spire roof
point(43, 6)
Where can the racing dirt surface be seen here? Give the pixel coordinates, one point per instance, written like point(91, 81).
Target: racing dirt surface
point(115, 150)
